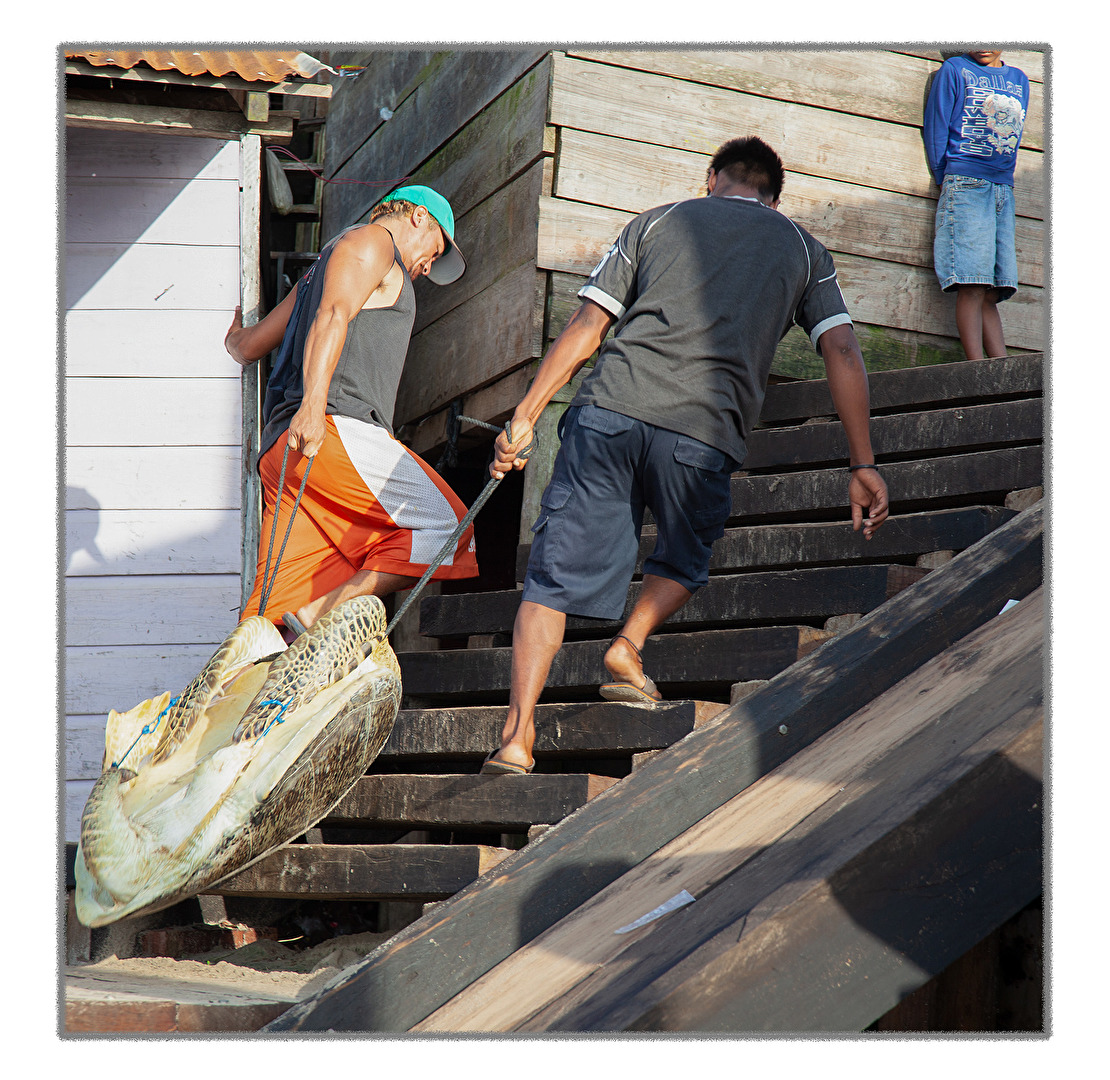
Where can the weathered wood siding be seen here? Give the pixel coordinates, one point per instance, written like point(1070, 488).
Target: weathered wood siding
point(637, 128)
point(546, 156)
point(152, 424)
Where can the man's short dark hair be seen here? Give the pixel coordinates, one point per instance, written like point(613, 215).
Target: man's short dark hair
point(751, 161)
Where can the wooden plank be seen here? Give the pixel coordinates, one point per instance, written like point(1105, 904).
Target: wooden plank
point(500, 144)
point(962, 383)
point(249, 430)
point(84, 747)
point(197, 123)
point(733, 600)
point(964, 427)
point(875, 83)
point(103, 411)
point(162, 343)
point(599, 727)
point(101, 543)
point(119, 210)
point(903, 910)
point(109, 155)
point(498, 330)
point(151, 277)
point(913, 485)
point(767, 547)
point(714, 657)
point(364, 871)
point(162, 610)
point(451, 90)
point(152, 477)
point(99, 678)
point(441, 953)
point(574, 236)
point(916, 738)
point(466, 801)
point(497, 236)
point(671, 112)
point(634, 176)
point(121, 1017)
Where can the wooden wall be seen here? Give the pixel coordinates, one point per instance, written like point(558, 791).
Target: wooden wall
point(153, 424)
point(546, 155)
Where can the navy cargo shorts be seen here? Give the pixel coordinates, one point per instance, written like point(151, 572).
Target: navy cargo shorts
point(587, 536)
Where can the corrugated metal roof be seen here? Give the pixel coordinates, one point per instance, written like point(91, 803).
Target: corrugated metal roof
point(272, 67)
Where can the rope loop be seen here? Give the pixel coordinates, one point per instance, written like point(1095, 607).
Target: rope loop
point(147, 729)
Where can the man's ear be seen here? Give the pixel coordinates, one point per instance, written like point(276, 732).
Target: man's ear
point(711, 181)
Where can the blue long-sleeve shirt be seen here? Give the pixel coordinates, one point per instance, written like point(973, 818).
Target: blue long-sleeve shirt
point(974, 120)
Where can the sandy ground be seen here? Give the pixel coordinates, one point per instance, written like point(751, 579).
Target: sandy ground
point(260, 971)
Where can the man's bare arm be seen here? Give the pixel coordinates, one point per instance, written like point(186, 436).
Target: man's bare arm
point(355, 269)
point(847, 375)
point(247, 344)
point(580, 339)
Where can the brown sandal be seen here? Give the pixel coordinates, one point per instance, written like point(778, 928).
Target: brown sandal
point(647, 695)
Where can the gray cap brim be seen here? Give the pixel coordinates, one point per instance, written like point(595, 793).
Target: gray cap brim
point(449, 267)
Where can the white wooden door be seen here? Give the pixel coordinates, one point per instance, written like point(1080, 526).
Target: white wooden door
point(152, 425)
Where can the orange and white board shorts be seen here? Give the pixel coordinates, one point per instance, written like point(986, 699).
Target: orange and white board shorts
point(370, 504)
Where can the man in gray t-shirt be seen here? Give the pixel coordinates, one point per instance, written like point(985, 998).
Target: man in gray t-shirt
point(701, 292)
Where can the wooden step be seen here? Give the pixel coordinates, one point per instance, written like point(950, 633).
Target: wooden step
point(926, 483)
point(913, 388)
point(601, 728)
point(416, 872)
point(733, 600)
point(466, 801)
point(934, 432)
point(568, 866)
point(903, 536)
point(712, 659)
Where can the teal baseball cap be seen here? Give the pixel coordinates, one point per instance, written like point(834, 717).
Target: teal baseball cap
point(451, 265)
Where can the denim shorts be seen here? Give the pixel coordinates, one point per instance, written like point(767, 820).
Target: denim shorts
point(974, 242)
point(586, 538)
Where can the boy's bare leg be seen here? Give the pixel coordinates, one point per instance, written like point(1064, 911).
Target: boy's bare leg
point(994, 341)
point(364, 583)
point(537, 637)
point(659, 599)
point(970, 301)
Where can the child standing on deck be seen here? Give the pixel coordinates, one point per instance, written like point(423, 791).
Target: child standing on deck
point(973, 123)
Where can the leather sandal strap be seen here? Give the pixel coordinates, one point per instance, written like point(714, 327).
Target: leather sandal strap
point(639, 655)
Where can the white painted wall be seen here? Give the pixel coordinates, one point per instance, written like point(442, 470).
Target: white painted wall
point(152, 425)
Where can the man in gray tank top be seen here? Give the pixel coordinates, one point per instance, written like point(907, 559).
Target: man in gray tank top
point(373, 515)
point(701, 291)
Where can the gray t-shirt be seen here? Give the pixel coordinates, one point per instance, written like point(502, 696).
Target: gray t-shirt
point(703, 291)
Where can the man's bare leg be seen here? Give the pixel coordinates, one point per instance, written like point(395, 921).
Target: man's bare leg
point(659, 599)
point(364, 583)
point(537, 637)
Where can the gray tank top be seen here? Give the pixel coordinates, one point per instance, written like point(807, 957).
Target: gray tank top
point(364, 383)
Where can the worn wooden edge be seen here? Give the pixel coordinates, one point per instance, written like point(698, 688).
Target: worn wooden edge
point(441, 953)
point(886, 921)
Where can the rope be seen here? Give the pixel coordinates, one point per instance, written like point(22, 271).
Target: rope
point(147, 729)
point(471, 514)
point(267, 578)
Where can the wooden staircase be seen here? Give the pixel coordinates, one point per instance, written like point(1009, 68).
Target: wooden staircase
point(954, 441)
point(960, 449)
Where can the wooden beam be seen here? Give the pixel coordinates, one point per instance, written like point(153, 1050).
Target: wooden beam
point(597, 728)
point(914, 485)
point(466, 801)
point(364, 871)
point(200, 123)
point(439, 955)
point(765, 547)
point(678, 663)
point(965, 383)
point(733, 600)
point(826, 813)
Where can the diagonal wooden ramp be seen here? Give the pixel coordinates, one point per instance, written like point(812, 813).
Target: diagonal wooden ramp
point(846, 832)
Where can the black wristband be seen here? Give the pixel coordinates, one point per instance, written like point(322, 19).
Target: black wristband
point(852, 468)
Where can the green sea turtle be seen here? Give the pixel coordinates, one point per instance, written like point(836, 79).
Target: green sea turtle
point(259, 747)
